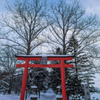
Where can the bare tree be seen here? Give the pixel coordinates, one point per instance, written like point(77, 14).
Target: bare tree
point(69, 20)
point(23, 25)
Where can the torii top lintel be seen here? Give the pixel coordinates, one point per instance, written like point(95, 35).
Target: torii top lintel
point(39, 57)
point(44, 59)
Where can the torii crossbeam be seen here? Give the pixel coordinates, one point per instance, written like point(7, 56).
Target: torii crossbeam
point(44, 64)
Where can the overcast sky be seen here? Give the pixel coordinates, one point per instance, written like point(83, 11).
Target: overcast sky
point(91, 6)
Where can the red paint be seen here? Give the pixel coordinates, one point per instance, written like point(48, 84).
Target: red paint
point(64, 95)
point(61, 65)
point(24, 82)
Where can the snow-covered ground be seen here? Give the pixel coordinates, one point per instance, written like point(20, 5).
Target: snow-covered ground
point(96, 96)
point(49, 95)
point(9, 97)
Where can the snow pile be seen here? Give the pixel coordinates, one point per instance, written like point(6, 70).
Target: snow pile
point(9, 97)
point(33, 86)
point(35, 96)
point(58, 96)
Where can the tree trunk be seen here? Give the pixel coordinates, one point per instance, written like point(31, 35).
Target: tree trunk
point(10, 86)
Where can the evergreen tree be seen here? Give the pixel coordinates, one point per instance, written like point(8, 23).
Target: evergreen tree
point(74, 76)
point(82, 71)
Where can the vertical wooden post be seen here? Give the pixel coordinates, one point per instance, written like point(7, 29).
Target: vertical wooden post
point(64, 95)
point(24, 82)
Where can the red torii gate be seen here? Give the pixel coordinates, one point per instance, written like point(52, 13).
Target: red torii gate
point(44, 64)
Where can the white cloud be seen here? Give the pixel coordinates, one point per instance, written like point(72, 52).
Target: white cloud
point(2, 5)
point(91, 6)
